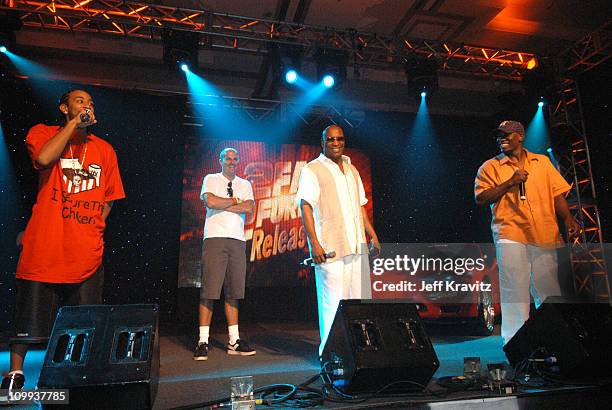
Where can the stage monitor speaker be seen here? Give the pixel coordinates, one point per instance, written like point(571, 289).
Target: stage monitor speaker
point(107, 356)
point(577, 334)
point(373, 344)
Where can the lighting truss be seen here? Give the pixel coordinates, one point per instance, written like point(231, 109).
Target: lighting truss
point(590, 51)
point(587, 253)
point(224, 31)
point(262, 109)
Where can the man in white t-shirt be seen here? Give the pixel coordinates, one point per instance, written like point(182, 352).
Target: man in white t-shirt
point(332, 199)
point(228, 199)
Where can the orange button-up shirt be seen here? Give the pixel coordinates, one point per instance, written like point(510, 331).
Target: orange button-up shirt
point(529, 221)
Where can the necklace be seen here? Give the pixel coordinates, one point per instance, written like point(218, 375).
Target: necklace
point(79, 172)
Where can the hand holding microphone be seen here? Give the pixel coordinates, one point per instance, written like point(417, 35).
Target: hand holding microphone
point(86, 118)
point(519, 178)
point(374, 248)
point(310, 261)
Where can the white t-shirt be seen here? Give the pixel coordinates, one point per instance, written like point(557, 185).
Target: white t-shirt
point(220, 223)
point(309, 190)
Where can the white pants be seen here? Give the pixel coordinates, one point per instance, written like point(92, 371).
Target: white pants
point(346, 278)
point(523, 269)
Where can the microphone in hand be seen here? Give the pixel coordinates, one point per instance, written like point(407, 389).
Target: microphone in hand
point(519, 178)
point(85, 117)
point(309, 261)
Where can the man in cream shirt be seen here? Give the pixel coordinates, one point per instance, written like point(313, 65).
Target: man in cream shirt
point(331, 197)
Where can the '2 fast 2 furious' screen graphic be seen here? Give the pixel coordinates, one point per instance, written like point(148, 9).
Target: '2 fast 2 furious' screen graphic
point(276, 241)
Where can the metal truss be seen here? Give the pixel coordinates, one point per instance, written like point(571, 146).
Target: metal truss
point(587, 253)
point(223, 31)
point(259, 110)
point(590, 51)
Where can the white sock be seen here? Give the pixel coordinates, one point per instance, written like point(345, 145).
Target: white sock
point(233, 334)
point(204, 334)
point(16, 372)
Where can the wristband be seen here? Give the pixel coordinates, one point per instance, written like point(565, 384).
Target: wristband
point(235, 201)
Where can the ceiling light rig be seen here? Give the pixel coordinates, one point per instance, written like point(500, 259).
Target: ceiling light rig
point(9, 23)
point(331, 66)
point(148, 21)
point(422, 76)
point(289, 64)
point(181, 49)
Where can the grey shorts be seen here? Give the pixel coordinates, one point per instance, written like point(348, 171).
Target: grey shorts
point(223, 265)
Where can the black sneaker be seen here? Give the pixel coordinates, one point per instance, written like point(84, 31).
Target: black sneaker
point(240, 348)
point(201, 352)
point(11, 382)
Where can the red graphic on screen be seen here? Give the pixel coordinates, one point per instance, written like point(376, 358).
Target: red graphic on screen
point(276, 241)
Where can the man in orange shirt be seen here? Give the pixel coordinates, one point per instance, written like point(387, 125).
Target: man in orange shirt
point(526, 195)
point(62, 246)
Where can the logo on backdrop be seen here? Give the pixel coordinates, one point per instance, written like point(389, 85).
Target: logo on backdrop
point(274, 186)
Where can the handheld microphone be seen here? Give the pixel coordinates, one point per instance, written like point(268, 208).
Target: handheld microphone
point(85, 117)
point(308, 261)
point(522, 191)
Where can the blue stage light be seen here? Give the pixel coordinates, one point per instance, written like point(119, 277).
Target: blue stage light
point(185, 67)
point(423, 94)
point(328, 81)
point(549, 150)
point(291, 76)
point(541, 104)
point(3, 49)
point(537, 137)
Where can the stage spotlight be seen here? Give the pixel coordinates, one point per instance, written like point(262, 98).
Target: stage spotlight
point(291, 76)
point(9, 23)
point(539, 84)
point(181, 48)
point(328, 80)
point(185, 67)
point(331, 66)
point(549, 150)
point(422, 76)
point(541, 102)
point(289, 62)
point(423, 94)
point(532, 63)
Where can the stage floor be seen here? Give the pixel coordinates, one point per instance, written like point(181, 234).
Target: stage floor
point(287, 353)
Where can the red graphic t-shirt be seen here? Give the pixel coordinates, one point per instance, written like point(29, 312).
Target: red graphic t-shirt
point(63, 241)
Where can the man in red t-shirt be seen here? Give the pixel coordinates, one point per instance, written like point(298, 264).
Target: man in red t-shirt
point(62, 245)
